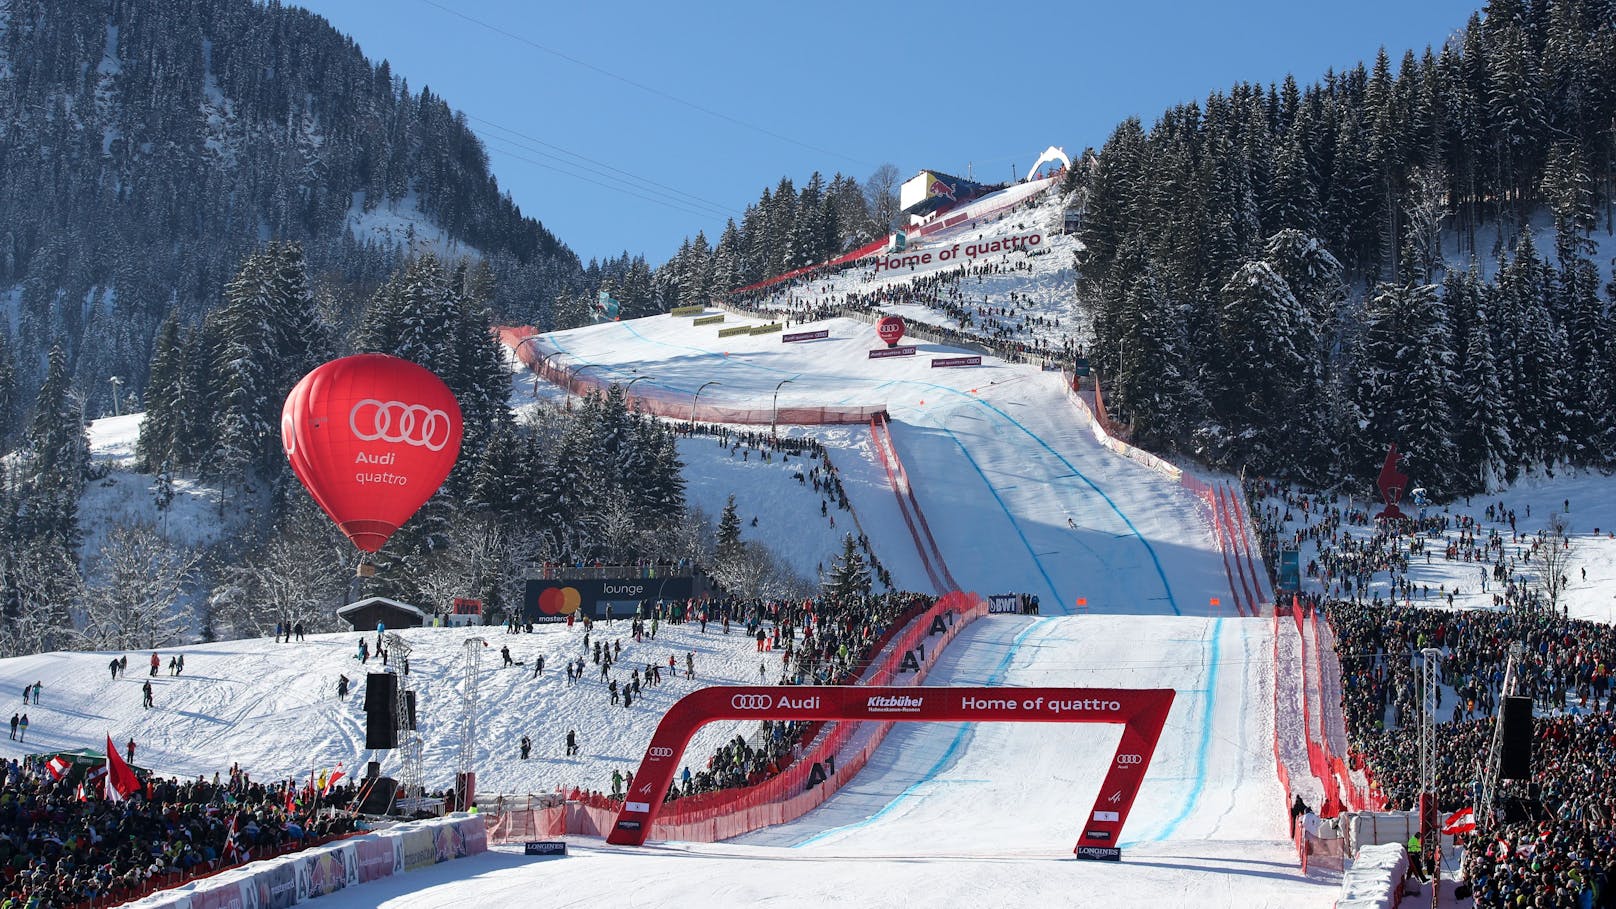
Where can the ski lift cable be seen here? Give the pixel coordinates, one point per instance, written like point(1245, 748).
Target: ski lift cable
point(616, 170)
point(640, 85)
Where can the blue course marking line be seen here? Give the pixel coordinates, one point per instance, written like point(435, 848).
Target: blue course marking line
point(1014, 524)
point(960, 736)
point(1201, 749)
point(1154, 558)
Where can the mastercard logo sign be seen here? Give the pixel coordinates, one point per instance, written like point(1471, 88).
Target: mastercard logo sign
point(559, 601)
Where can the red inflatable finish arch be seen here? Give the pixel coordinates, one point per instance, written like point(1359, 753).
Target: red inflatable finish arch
point(1142, 712)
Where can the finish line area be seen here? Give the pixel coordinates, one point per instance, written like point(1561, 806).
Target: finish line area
point(955, 813)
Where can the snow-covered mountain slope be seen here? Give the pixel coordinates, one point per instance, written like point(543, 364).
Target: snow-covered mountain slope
point(273, 708)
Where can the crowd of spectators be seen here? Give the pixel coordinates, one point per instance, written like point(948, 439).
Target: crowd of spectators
point(825, 640)
point(1550, 841)
point(63, 848)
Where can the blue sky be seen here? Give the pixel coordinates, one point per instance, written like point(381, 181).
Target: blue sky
point(705, 104)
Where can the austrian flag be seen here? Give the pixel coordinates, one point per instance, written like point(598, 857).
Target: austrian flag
point(57, 766)
point(1461, 821)
point(121, 781)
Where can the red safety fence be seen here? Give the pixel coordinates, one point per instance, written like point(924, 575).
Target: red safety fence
point(1326, 762)
point(931, 557)
point(661, 405)
point(726, 813)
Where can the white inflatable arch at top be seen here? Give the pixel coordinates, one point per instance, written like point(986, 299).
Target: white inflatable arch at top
point(1050, 154)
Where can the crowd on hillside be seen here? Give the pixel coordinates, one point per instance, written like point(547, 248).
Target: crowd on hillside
point(825, 640)
point(1557, 846)
point(58, 849)
point(821, 641)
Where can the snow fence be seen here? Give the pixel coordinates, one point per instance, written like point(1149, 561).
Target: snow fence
point(301, 876)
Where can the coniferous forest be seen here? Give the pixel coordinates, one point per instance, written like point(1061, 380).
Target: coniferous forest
point(1286, 280)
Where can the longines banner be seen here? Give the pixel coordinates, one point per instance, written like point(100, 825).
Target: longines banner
point(551, 600)
point(736, 330)
point(708, 320)
point(687, 310)
point(766, 329)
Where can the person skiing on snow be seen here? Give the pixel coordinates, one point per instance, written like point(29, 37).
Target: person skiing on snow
point(572, 742)
point(146, 691)
point(527, 746)
point(506, 653)
point(130, 750)
point(22, 728)
point(342, 687)
point(14, 727)
point(156, 661)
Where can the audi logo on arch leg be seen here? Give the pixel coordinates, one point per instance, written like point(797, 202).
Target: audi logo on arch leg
point(371, 420)
point(751, 702)
point(659, 752)
point(1129, 760)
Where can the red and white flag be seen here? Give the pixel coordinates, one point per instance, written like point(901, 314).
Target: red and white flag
point(234, 854)
point(1461, 821)
point(121, 780)
point(57, 766)
point(331, 778)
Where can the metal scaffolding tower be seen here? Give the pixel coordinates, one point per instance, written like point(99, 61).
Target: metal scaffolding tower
point(409, 740)
point(1428, 681)
point(472, 668)
point(1495, 752)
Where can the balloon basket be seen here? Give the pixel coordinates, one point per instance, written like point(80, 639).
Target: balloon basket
point(364, 570)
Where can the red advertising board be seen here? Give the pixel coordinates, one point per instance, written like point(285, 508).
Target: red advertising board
point(1142, 713)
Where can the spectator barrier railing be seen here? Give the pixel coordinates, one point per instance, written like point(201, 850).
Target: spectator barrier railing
point(317, 871)
point(727, 813)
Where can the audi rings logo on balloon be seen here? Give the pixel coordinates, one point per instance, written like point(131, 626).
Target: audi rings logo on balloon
point(1130, 760)
point(395, 421)
point(751, 702)
point(659, 752)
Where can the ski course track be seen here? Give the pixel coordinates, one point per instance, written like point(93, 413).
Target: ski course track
point(1040, 444)
point(1204, 784)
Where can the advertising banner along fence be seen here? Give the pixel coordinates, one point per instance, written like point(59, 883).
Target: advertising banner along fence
point(1142, 712)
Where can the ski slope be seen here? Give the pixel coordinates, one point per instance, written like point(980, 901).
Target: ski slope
point(1019, 498)
point(1017, 492)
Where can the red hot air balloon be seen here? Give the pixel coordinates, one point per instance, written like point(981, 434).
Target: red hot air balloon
point(371, 437)
point(890, 328)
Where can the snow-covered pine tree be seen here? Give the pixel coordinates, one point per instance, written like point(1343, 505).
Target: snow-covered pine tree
point(729, 528)
point(1483, 447)
point(849, 576)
